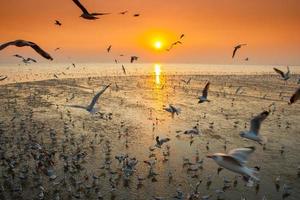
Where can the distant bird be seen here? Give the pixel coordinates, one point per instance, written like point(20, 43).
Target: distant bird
point(56, 49)
point(160, 142)
point(90, 108)
point(247, 59)
point(123, 12)
point(173, 44)
point(86, 14)
point(187, 82)
point(55, 76)
point(57, 23)
point(2, 78)
point(235, 161)
point(109, 48)
point(136, 15)
point(133, 58)
point(25, 60)
point(124, 70)
point(22, 43)
point(172, 109)
point(284, 76)
point(182, 35)
point(253, 133)
point(236, 48)
point(295, 97)
point(203, 98)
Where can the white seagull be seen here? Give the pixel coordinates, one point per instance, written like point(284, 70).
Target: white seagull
point(284, 76)
point(235, 161)
point(253, 133)
point(203, 98)
point(90, 108)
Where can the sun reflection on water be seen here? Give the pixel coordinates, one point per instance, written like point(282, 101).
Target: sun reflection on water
point(157, 74)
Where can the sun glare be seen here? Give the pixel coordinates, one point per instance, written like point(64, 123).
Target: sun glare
point(158, 44)
point(157, 74)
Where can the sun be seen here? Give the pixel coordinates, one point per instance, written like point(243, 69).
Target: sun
point(158, 44)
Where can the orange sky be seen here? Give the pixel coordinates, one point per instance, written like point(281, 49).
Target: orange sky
point(271, 28)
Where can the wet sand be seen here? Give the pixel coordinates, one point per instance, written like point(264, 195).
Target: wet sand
point(130, 116)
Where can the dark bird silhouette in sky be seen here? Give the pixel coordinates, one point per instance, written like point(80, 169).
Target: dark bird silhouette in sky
point(123, 12)
point(236, 48)
point(295, 96)
point(57, 23)
point(86, 14)
point(133, 58)
point(109, 48)
point(23, 43)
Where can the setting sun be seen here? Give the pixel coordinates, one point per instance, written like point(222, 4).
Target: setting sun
point(158, 44)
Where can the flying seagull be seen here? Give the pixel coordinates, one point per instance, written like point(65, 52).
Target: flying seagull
point(236, 48)
point(27, 60)
point(203, 98)
point(187, 82)
point(235, 161)
point(2, 78)
point(133, 58)
point(253, 133)
point(136, 15)
point(295, 97)
point(124, 70)
point(86, 14)
point(90, 108)
point(57, 23)
point(284, 76)
point(22, 43)
point(109, 48)
point(172, 109)
point(123, 12)
point(182, 35)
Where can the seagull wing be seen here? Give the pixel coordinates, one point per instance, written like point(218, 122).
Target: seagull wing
point(295, 96)
point(234, 51)
point(31, 59)
point(241, 154)
point(279, 72)
point(82, 8)
point(96, 97)
point(3, 46)
point(96, 14)
point(257, 120)
point(40, 51)
point(3, 78)
point(188, 82)
point(124, 70)
point(205, 90)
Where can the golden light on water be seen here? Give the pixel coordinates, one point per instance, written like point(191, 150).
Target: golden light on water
point(157, 71)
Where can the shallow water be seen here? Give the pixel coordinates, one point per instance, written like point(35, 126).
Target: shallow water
point(138, 103)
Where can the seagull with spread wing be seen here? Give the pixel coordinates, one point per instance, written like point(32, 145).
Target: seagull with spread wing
point(23, 43)
point(133, 58)
point(90, 108)
point(295, 97)
point(236, 48)
point(203, 98)
point(172, 109)
point(284, 76)
point(253, 133)
point(187, 82)
point(86, 14)
point(235, 161)
point(25, 60)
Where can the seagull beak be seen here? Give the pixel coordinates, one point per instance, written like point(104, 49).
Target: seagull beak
point(209, 156)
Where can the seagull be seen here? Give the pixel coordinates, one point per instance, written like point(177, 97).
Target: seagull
point(187, 82)
point(86, 14)
point(124, 70)
point(57, 23)
point(133, 58)
point(235, 161)
point(90, 108)
point(136, 15)
point(2, 78)
point(182, 35)
point(27, 60)
point(284, 76)
point(173, 44)
point(22, 43)
point(253, 133)
point(247, 59)
point(160, 142)
point(203, 98)
point(123, 12)
point(295, 97)
point(56, 49)
point(109, 48)
point(171, 109)
point(236, 48)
